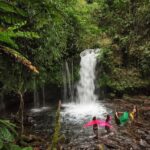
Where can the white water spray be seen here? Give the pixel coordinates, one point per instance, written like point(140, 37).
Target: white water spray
point(68, 76)
point(87, 103)
point(38, 105)
point(86, 86)
point(68, 81)
point(36, 96)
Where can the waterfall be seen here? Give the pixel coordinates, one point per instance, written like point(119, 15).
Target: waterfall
point(86, 86)
point(68, 81)
point(86, 104)
point(39, 95)
point(39, 99)
point(72, 80)
point(64, 84)
point(36, 96)
point(69, 78)
point(43, 96)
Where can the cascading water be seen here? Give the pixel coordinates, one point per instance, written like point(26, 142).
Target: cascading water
point(86, 103)
point(64, 84)
point(72, 79)
point(36, 97)
point(86, 87)
point(68, 77)
point(39, 100)
point(67, 82)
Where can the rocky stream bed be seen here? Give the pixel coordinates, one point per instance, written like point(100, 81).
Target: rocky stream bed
point(131, 136)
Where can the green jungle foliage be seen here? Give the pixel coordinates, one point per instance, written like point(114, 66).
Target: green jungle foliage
point(8, 33)
point(8, 136)
point(38, 36)
point(125, 45)
point(47, 33)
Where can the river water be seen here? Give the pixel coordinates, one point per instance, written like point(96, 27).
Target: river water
point(128, 137)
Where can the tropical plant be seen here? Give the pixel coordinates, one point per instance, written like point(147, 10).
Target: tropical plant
point(56, 136)
point(125, 23)
point(6, 36)
point(10, 50)
point(8, 135)
point(10, 13)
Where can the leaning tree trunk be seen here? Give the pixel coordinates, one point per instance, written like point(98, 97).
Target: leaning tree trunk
point(19, 57)
point(21, 112)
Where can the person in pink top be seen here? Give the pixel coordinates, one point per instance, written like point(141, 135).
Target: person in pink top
point(95, 128)
point(107, 128)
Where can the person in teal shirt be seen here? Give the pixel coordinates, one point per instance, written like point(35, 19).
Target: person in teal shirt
point(122, 117)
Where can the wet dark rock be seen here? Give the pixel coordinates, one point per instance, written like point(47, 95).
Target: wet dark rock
point(146, 102)
point(147, 132)
point(23, 143)
point(148, 139)
point(134, 146)
point(42, 147)
point(147, 114)
point(35, 125)
point(109, 143)
point(30, 119)
point(140, 131)
point(135, 101)
point(144, 144)
point(67, 140)
point(83, 147)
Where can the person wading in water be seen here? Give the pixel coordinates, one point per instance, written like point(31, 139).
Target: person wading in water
point(107, 128)
point(95, 128)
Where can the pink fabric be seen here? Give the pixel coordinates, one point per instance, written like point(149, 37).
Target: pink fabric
point(98, 122)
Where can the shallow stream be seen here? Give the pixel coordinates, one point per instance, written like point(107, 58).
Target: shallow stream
point(72, 121)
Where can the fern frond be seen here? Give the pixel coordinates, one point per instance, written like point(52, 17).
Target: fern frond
point(16, 26)
point(6, 7)
point(8, 125)
point(6, 35)
point(10, 18)
point(9, 8)
point(26, 34)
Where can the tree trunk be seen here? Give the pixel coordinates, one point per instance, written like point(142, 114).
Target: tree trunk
point(19, 57)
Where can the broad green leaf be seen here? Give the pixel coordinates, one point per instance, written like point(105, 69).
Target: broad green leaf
point(6, 135)
point(27, 148)
point(9, 125)
point(1, 144)
point(15, 147)
point(8, 7)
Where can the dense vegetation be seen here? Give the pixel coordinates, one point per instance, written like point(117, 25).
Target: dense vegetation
point(125, 43)
point(47, 33)
point(37, 37)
